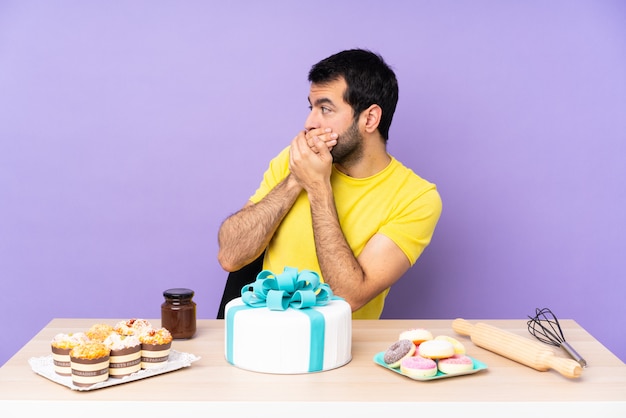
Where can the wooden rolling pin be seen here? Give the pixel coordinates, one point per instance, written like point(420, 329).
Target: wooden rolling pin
point(517, 348)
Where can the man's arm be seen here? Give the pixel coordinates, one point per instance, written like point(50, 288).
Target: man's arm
point(380, 264)
point(243, 236)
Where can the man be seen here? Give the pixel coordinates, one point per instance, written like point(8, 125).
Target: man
point(334, 201)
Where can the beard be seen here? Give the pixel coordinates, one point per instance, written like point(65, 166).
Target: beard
point(349, 148)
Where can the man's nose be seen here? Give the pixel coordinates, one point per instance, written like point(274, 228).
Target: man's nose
point(311, 121)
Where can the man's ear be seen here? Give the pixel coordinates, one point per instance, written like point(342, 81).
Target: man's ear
point(372, 117)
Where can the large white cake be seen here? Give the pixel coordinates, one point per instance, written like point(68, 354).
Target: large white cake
point(288, 323)
point(288, 341)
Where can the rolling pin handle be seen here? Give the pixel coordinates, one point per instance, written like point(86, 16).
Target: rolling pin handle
point(461, 326)
point(567, 367)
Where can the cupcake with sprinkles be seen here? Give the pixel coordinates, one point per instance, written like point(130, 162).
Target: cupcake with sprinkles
point(155, 348)
point(61, 346)
point(125, 355)
point(90, 363)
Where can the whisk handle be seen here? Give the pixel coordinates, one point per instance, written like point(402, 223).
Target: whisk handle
point(570, 350)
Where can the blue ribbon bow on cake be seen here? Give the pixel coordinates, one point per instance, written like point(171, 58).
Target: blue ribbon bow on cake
point(278, 292)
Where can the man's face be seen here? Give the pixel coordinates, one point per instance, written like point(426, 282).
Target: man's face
point(329, 110)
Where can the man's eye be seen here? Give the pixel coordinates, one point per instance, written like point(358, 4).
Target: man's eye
point(325, 110)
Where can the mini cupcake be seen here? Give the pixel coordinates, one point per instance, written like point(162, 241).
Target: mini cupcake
point(89, 363)
point(125, 356)
point(155, 348)
point(132, 327)
point(61, 345)
point(99, 332)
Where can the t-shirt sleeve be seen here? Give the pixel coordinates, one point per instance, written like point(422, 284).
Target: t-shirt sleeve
point(413, 226)
point(278, 169)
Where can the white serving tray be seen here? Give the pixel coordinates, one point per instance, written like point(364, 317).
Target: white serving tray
point(44, 366)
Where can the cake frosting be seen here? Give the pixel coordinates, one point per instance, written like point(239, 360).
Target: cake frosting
point(288, 324)
point(99, 332)
point(133, 327)
point(68, 341)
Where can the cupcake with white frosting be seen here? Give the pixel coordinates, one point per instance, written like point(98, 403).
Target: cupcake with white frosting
point(89, 363)
point(61, 346)
point(155, 348)
point(125, 355)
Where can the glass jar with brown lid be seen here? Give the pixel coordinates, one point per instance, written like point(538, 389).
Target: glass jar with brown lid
point(178, 313)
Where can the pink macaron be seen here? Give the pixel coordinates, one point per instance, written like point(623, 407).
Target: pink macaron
point(417, 366)
point(458, 363)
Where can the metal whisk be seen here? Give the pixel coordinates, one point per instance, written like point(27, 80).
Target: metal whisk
point(546, 328)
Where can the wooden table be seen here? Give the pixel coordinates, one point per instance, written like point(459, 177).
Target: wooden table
point(211, 385)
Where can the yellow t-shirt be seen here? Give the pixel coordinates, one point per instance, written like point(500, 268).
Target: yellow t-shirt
point(395, 202)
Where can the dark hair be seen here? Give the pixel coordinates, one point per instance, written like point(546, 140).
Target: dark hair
point(370, 81)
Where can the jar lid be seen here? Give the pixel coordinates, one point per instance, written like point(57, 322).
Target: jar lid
point(178, 293)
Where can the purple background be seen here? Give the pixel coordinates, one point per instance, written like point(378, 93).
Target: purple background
point(129, 131)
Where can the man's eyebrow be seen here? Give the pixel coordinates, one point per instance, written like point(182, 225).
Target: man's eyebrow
point(321, 101)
